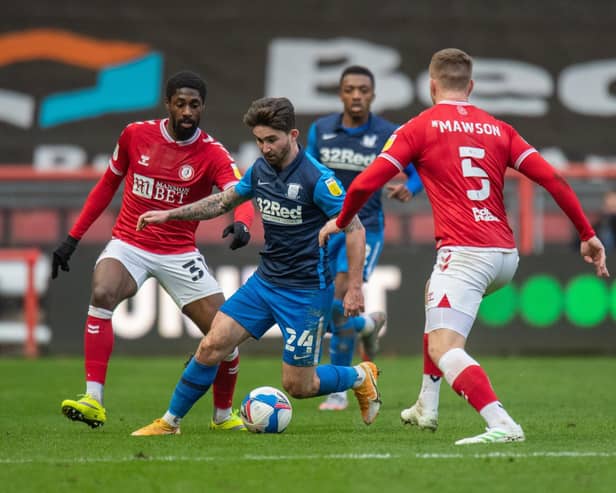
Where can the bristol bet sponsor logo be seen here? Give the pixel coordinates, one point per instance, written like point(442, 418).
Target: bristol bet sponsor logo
point(343, 158)
point(149, 188)
point(272, 211)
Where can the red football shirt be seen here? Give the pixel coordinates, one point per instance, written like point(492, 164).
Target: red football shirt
point(161, 173)
point(461, 154)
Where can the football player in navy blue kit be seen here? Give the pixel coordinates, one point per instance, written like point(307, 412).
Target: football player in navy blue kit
point(347, 143)
point(292, 285)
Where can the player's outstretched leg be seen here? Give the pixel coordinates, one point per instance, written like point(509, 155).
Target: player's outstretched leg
point(194, 382)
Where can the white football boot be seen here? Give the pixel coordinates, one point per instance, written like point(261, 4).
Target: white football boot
point(416, 415)
point(496, 435)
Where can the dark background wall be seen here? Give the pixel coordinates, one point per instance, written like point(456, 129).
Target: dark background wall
point(549, 68)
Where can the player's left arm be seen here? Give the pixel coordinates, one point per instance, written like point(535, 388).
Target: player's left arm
point(207, 208)
point(329, 196)
point(535, 167)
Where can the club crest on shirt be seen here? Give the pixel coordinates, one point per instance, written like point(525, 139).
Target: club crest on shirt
point(389, 142)
point(333, 187)
point(186, 172)
point(369, 140)
point(293, 190)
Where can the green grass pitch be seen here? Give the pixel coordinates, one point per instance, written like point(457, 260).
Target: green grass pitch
point(566, 405)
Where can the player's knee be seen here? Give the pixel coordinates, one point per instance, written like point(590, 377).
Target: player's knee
point(104, 297)
point(211, 351)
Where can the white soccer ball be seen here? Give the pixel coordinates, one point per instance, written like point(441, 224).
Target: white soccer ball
point(266, 410)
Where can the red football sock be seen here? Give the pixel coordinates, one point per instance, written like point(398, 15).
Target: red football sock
point(474, 385)
point(430, 367)
point(224, 384)
point(98, 345)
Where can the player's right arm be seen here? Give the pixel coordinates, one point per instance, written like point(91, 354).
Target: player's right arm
point(207, 208)
point(98, 200)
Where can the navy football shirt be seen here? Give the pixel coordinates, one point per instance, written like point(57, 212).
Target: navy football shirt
point(294, 204)
point(348, 151)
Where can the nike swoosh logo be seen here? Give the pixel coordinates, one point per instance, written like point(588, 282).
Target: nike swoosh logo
point(295, 357)
point(260, 182)
point(328, 136)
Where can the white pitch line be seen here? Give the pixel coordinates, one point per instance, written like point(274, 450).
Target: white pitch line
point(280, 458)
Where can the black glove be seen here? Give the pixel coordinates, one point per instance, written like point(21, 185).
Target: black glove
point(241, 235)
point(62, 255)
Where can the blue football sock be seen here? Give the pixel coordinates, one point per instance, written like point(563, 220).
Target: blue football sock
point(335, 378)
point(342, 344)
point(342, 348)
point(194, 382)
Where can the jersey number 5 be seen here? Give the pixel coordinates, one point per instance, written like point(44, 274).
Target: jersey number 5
point(470, 171)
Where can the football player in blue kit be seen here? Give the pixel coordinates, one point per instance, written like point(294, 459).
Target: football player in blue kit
point(292, 285)
point(347, 143)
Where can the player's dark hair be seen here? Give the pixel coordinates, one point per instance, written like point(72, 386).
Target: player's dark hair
point(452, 67)
point(357, 70)
point(277, 113)
point(186, 78)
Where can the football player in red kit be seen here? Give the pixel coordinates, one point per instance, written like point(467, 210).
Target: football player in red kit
point(164, 164)
point(461, 154)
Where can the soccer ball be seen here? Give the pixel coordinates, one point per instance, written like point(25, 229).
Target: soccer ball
point(266, 410)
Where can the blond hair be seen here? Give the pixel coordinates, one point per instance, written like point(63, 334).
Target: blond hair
point(452, 68)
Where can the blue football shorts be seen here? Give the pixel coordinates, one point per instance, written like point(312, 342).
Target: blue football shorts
point(302, 315)
point(336, 248)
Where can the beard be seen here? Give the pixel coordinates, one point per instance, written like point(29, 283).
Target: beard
point(184, 133)
point(276, 159)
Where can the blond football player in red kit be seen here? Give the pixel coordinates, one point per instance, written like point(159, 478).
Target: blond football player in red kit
point(461, 154)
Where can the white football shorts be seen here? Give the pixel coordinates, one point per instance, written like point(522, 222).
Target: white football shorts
point(461, 277)
point(185, 276)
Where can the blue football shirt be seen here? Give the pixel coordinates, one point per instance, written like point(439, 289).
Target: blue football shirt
point(294, 204)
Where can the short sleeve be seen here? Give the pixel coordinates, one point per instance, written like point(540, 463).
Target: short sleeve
point(519, 149)
point(329, 194)
point(120, 158)
point(244, 187)
point(402, 146)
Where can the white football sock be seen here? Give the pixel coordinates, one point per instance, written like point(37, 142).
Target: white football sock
point(369, 324)
point(95, 389)
point(496, 416)
point(221, 415)
point(361, 376)
point(430, 393)
point(171, 419)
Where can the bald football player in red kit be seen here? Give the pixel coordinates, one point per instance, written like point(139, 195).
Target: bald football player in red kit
point(461, 154)
point(164, 164)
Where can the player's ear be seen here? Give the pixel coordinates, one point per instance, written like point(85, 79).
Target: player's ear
point(294, 133)
point(469, 89)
